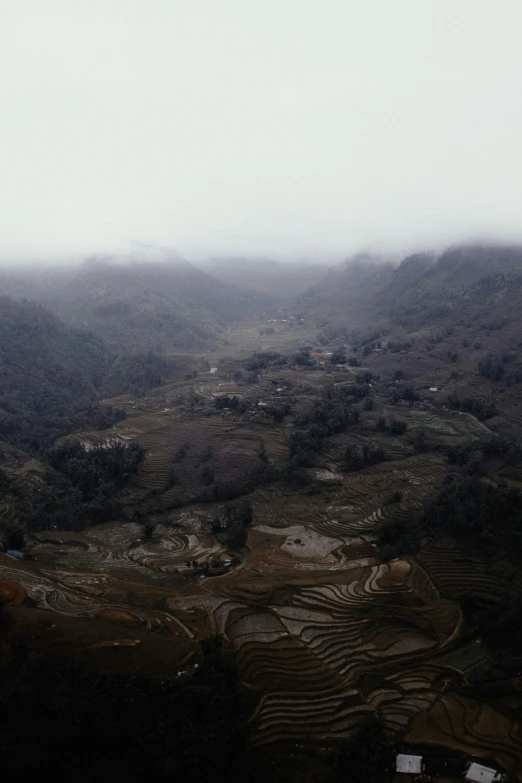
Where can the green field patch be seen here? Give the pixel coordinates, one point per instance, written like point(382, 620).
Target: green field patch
point(432, 422)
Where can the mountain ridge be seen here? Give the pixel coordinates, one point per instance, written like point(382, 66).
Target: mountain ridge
point(157, 305)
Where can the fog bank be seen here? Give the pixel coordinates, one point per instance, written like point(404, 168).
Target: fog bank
point(285, 129)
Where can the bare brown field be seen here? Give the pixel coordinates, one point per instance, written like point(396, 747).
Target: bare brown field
point(11, 593)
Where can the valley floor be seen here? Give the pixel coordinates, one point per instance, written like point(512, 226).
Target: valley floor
point(323, 633)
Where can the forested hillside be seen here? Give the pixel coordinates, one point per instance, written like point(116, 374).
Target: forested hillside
point(50, 376)
point(158, 305)
point(346, 295)
point(481, 284)
point(475, 280)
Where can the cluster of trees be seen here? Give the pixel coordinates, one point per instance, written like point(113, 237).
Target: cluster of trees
point(236, 518)
point(306, 444)
point(278, 412)
point(256, 473)
point(356, 457)
point(294, 473)
point(493, 366)
point(303, 359)
point(483, 515)
point(80, 488)
point(422, 442)
point(89, 469)
point(404, 392)
point(472, 456)
point(13, 536)
point(471, 510)
point(265, 359)
point(394, 427)
point(241, 376)
point(482, 409)
point(232, 403)
point(338, 356)
point(333, 413)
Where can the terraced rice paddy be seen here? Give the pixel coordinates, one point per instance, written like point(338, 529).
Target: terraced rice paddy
point(472, 726)
point(323, 634)
point(432, 422)
point(457, 573)
point(311, 649)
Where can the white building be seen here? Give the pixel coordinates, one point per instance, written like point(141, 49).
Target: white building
point(411, 765)
point(479, 774)
point(213, 370)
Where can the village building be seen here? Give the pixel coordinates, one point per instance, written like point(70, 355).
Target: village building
point(15, 553)
point(410, 765)
point(477, 773)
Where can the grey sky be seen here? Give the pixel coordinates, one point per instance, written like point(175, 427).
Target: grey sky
point(307, 127)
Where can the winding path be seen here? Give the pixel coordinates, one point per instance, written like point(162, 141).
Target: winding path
point(481, 425)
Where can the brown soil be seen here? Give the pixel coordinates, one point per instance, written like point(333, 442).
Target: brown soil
point(11, 593)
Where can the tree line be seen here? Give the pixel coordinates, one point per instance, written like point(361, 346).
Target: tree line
point(78, 489)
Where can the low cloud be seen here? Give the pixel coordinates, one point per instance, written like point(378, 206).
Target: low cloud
point(293, 129)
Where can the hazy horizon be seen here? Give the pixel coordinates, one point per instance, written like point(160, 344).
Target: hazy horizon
point(292, 129)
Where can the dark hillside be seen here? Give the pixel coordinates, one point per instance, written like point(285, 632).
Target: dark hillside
point(478, 287)
point(158, 305)
point(347, 294)
point(471, 281)
point(48, 375)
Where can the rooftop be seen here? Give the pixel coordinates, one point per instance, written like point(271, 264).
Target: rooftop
point(480, 774)
point(411, 765)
